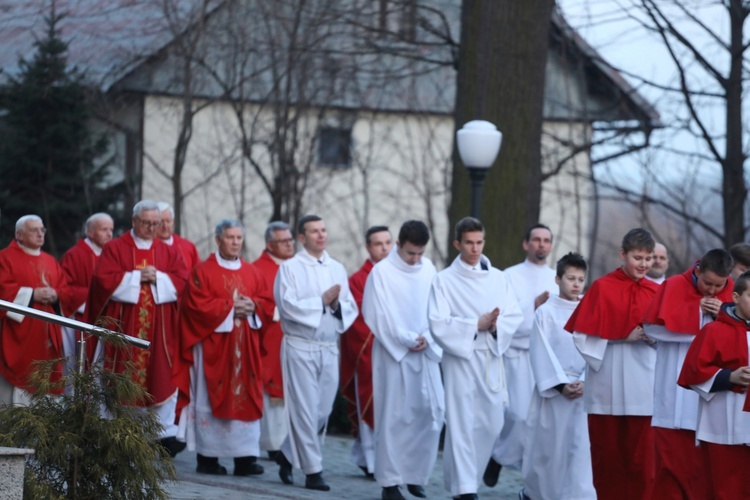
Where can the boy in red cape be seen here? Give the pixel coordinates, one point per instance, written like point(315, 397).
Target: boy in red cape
point(683, 305)
point(620, 378)
point(716, 367)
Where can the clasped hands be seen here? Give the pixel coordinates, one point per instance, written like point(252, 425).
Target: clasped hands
point(45, 295)
point(243, 307)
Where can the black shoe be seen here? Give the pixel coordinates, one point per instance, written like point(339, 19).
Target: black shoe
point(272, 454)
point(285, 469)
point(392, 493)
point(172, 445)
point(316, 482)
point(492, 473)
point(416, 490)
point(368, 474)
point(210, 465)
point(467, 496)
point(247, 466)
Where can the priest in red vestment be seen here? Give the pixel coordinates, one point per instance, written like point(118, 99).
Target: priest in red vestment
point(607, 331)
point(356, 358)
point(219, 365)
point(167, 235)
point(32, 278)
point(273, 425)
point(135, 289)
point(78, 265)
point(682, 306)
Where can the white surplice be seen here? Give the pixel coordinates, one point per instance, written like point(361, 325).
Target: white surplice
point(475, 389)
point(557, 458)
point(528, 281)
point(408, 397)
point(310, 353)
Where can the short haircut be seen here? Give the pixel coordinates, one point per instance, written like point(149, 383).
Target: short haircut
point(571, 259)
point(638, 239)
point(717, 261)
point(163, 205)
point(304, 220)
point(22, 221)
point(415, 232)
point(373, 230)
point(536, 226)
point(225, 224)
point(144, 206)
point(274, 226)
point(740, 252)
point(468, 225)
point(742, 283)
point(91, 220)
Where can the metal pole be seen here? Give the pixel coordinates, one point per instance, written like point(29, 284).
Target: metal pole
point(477, 176)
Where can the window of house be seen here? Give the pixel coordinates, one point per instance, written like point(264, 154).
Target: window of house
point(399, 17)
point(335, 147)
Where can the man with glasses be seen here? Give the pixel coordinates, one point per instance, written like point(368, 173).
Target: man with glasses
point(32, 278)
point(135, 289)
point(273, 426)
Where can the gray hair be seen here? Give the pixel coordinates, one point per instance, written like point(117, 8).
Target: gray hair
point(225, 224)
point(163, 205)
point(144, 206)
point(274, 226)
point(22, 221)
point(99, 215)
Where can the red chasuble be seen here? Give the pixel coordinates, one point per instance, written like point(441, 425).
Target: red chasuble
point(271, 334)
point(146, 319)
point(677, 301)
point(231, 360)
point(187, 250)
point(32, 339)
point(78, 265)
point(613, 306)
point(356, 357)
point(720, 344)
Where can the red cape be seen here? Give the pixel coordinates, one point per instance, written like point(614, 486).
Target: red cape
point(118, 258)
point(187, 250)
point(356, 356)
point(32, 339)
point(271, 334)
point(78, 265)
point(613, 306)
point(719, 344)
point(231, 360)
point(676, 303)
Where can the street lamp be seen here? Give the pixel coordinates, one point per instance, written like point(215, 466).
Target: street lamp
point(478, 145)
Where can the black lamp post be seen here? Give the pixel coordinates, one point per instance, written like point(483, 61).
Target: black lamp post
point(478, 146)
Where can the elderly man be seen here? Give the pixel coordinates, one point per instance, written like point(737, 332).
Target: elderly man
point(315, 306)
point(356, 357)
point(659, 265)
point(135, 289)
point(78, 264)
point(219, 364)
point(32, 278)
point(273, 426)
point(166, 234)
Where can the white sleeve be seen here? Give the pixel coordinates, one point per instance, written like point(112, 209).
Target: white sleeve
point(129, 288)
point(164, 290)
point(23, 298)
point(546, 367)
point(592, 348)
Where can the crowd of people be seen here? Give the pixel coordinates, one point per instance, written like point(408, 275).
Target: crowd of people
point(633, 389)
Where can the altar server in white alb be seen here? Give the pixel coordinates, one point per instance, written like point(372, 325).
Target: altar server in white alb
point(315, 306)
point(557, 459)
point(533, 281)
point(473, 314)
point(407, 391)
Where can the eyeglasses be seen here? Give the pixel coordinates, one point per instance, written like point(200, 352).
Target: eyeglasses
point(286, 241)
point(148, 224)
point(40, 230)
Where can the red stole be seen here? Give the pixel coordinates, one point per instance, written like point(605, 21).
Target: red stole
point(271, 333)
point(677, 301)
point(231, 360)
point(33, 339)
point(613, 306)
point(356, 357)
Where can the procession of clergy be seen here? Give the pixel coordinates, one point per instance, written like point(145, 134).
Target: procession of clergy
point(635, 389)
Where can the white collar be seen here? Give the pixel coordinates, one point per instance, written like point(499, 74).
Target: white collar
point(140, 243)
point(93, 246)
point(232, 265)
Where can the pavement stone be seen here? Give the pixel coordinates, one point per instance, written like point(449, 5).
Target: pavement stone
point(346, 480)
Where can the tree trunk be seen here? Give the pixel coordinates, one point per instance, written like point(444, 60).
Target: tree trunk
point(501, 75)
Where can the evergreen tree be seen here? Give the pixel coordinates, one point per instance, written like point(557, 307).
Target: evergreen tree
point(49, 160)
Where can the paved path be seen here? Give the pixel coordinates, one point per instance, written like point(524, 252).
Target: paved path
point(347, 481)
